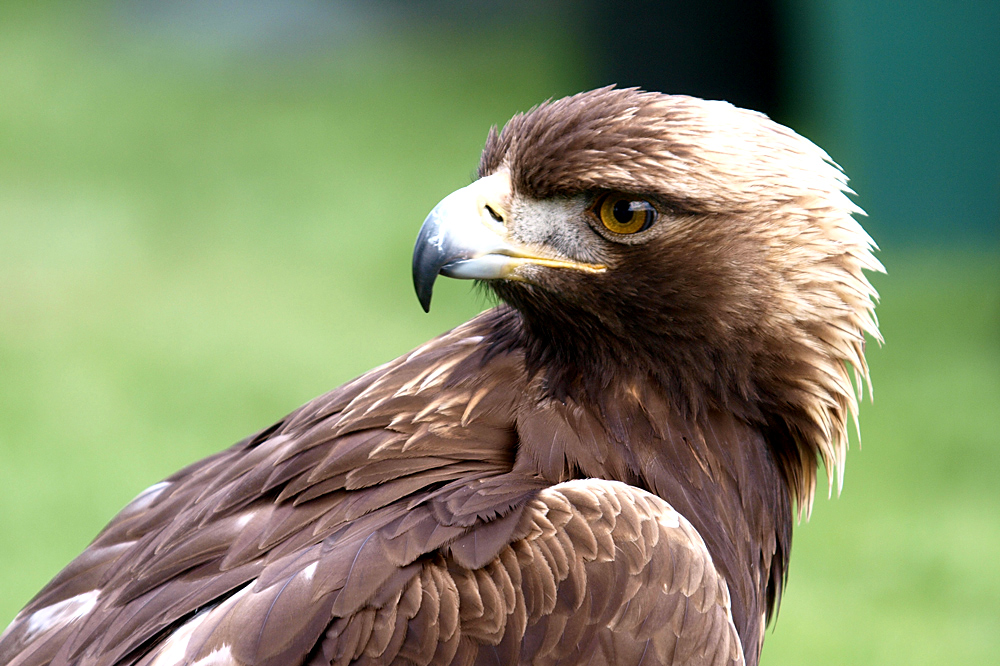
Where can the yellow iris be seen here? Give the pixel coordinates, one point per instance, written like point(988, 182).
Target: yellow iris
point(623, 214)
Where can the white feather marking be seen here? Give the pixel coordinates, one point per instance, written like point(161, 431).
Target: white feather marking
point(438, 372)
point(309, 571)
point(479, 395)
point(669, 518)
point(62, 613)
point(245, 519)
point(144, 499)
point(219, 657)
point(174, 650)
point(420, 350)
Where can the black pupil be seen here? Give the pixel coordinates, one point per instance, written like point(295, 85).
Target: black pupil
point(622, 211)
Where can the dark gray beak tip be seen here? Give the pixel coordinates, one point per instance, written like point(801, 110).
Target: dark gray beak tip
point(427, 262)
point(423, 283)
point(454, 242)
point(424, 292)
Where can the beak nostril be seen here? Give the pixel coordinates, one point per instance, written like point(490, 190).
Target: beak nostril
point(457, 240)
point(495, 215)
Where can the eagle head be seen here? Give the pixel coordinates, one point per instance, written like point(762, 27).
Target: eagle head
point(637, 236)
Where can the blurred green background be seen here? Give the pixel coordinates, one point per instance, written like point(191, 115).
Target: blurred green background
point(206, 219)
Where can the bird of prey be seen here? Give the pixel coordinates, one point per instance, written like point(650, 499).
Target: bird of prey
point(603, 469)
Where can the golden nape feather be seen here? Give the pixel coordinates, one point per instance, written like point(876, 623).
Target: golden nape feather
point(603, 469)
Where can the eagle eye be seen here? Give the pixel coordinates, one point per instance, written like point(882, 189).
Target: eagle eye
point(624, 214)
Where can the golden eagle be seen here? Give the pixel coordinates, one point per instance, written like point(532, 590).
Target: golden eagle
point(603, 469)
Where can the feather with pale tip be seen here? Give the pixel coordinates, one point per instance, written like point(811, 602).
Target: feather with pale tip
point(603, 469)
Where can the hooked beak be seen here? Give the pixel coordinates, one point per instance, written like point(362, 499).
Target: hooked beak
point(463, 238)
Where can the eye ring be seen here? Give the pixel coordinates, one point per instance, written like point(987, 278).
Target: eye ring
point(624, 214)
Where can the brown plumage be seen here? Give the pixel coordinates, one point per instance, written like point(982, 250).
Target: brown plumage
point(602, 469)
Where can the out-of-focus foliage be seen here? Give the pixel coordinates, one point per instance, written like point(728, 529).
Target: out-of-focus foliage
point(193, 243)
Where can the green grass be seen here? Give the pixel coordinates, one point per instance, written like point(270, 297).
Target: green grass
point(192, 247)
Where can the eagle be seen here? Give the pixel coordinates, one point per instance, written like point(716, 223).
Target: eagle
point(605, 468)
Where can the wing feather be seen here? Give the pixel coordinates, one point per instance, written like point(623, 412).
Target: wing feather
point(661, 602)
point(392, 522)
point(248, 514)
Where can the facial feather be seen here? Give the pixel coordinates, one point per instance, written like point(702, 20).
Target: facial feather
point(749, 294)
